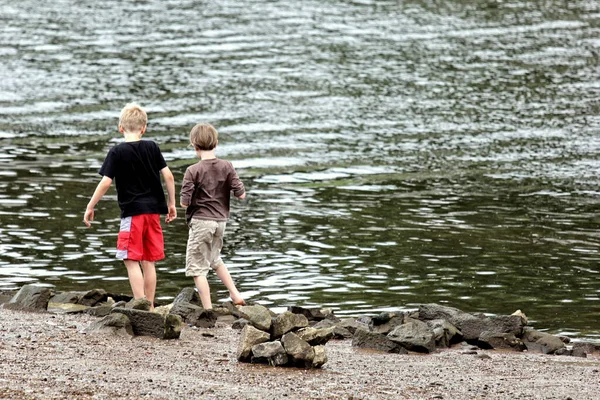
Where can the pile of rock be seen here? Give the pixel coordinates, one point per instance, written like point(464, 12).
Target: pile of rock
point(281, 340)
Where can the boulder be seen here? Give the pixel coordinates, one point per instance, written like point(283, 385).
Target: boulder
point(353, 324)
point(112, 325)
point(139, 304)
point(250, 336)
point(285, 322)
point(582, 349)
point(414, 335)
point(492, 340)
point(444, 333)
point(194, 315)
point(472, 325)
point(30, 298)
point(147, 323)
point(271, 353)
point(188, 295)
point(301, 352)
point(315, 337)
point(313, 314)
point(99, 311)
point(257, 315)
point(542, 342)
point(93, 297)
point(377, 341)
point(384, 323)
point(320, 356)
point(339, 332)
point(67, 297)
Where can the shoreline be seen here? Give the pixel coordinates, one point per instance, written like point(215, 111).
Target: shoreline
point(45, 355)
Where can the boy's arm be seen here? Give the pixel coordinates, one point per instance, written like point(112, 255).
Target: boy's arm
point(100, 191)
point(237, 186)
point(170, 183)
point(187, 189)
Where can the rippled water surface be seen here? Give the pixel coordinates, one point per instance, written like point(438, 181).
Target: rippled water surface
point(395, 152)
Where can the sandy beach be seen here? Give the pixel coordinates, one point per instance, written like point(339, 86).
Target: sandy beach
point(45, 356)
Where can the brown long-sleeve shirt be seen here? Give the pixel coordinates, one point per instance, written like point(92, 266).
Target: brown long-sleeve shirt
point(207, 187)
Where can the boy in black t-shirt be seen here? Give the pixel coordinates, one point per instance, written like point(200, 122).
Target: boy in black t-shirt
point(136, 166)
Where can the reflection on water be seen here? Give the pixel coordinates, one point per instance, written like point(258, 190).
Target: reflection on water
point(395, 153)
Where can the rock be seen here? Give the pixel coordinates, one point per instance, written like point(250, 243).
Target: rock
point(139, 304)
point(147, 323)
point(582, 349)
point(370, 340)
point(542, 342)
point(30, 298)
point(353, 324)
point(93, 297)
point(320, 356)
point(565, 352)
point(313, 314)
point(113, 325)
point(491, 340)
point(257, 315)
point(250, 336)
point(338, 331)
point(99, 311)
point(271, 353)
point(239, 323)
point(444, 333)
point(67, 308)
point(414, 335)
point(471, 325)
point(301, 352)
point(522, 315)
point(188, 295)
point(285, 322)
point(384, 323)
point(67, 297)
point(163, 310)
point(315, 337)
point(233, 309)
point(194, 315)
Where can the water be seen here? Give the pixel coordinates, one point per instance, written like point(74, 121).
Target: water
point(394, 152)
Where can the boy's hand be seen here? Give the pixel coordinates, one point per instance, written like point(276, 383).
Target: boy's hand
point(171, 215)
point(88, 216)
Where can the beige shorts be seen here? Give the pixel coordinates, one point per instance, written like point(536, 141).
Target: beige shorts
point(204, 245)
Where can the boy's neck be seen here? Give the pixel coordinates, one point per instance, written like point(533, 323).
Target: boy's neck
point(132, 136)
point(206, 154)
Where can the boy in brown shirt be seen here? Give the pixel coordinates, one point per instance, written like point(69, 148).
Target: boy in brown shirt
point(205, 194)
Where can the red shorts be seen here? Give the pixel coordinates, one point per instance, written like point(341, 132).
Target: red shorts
point(141, 238)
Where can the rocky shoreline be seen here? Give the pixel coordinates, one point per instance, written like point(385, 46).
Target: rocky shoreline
point(63, 350)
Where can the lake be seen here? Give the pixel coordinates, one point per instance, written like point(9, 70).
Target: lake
point(394, 153)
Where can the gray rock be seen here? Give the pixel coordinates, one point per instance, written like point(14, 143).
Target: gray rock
point(188, 295)
point(444, 333)
point(250, 336)
point(239, 323)
point(267, 349)
point(386, 322)
point(67, 297)
point(542, 342)
point(472, 325)
point(257, 315)
point(139, 304)
point(147, 323)
point(315, 337)
point(93, 297)
point(99, 311)
point(194, 315)
point(582, 349)
point(414, 335)
point(491, 340)
point(112, 325)
point(320, 356)
point(339, 332)
point(66, 308)
point(301, 352)
point(279, 360)
point(30, 298)
point(370, 340)
point(285, 322)
point(353, 324)
point(313, 314)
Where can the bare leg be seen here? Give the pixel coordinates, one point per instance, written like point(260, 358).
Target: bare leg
point(204, 290)
point(225, 277)
point(136, 279)
point(149, 281)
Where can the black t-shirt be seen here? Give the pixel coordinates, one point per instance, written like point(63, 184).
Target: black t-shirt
point(135, 167)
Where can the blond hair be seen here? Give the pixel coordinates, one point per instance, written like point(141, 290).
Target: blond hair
point(204, 137)
point(133, 118)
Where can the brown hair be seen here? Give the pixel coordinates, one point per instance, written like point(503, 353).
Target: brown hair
point(133, 118)
point(204, 137)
